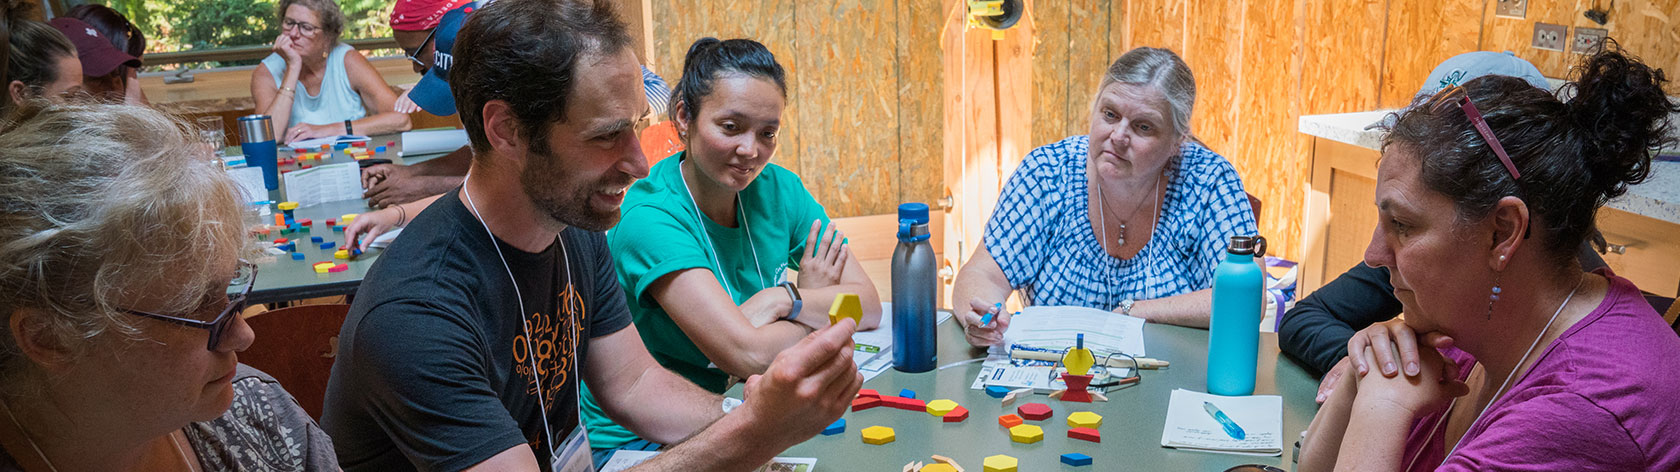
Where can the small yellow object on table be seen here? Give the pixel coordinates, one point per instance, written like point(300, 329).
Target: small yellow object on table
point(1084, 419)
point(1026, 434)
point(878, 435)
point(940, 407)
point(1000, 463)
point(288, 206)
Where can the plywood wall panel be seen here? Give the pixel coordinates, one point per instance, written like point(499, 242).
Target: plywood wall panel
point(921, 116)
point(1213, 50)
point(1268, 153)
point(1649, 29)
point(848, 147)
point(1421, 34)
point(1341, 65)
point(1051, 73)
point(1155, 23)
point(1100, 25)
point(678, 23)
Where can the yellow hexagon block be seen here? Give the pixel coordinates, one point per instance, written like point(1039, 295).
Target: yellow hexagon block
point(878, 435)
point(1026, 434)
point(1084, 419)
point(940, 407)
point(1000, 463)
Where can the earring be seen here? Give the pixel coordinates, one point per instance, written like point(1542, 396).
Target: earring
point(1494, 297)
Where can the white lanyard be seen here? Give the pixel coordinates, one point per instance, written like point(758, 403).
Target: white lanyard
point(524, 324)
point(711, 248)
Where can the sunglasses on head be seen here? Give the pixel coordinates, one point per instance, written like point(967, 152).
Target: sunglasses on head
point(1455, 95)
point(245, 277)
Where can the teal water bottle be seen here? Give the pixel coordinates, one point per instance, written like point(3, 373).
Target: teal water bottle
point(1234, 330)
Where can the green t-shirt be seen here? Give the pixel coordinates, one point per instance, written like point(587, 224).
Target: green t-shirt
point(661, 233)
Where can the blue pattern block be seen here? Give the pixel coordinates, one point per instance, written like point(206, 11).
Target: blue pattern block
point(1042, 237)
point(907, 393)
point(839, 426)
point(1076, 459)
point(997, 391)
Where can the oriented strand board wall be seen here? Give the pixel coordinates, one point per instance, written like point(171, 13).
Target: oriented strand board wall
point(1421, 34)
point(1649, 29)
point(864, 115)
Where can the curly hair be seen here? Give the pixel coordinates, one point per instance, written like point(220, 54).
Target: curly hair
point(1573, 156)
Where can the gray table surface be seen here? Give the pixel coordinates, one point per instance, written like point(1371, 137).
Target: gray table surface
point(284, 279)
point(1133, 418)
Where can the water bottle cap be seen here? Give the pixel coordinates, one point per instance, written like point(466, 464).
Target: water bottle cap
point(917, 213)
point(1250, 245)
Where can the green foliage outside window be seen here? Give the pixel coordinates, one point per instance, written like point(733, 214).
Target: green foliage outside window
point(177, 25)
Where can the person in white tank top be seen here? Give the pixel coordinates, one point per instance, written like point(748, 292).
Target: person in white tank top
point(314, 86)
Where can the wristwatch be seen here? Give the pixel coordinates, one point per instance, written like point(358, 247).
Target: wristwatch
point(348, 129)
point(1126, 306)
point(798, 303)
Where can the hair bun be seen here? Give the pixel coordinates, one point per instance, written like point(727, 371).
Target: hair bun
point(1622, 114)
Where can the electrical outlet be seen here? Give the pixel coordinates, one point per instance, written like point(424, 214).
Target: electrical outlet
point(1588, 40)
point(1511, 8)
point(1549, 36)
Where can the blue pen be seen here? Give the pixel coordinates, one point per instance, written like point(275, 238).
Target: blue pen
point(1231, 427)
point(986, 320)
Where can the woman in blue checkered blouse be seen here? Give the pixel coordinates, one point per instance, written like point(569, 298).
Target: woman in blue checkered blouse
point(1131, 218)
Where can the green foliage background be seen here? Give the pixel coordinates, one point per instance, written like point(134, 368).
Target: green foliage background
point(181, 25)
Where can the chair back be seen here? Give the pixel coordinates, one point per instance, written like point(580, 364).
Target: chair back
point(661, 141)
point(296, 346)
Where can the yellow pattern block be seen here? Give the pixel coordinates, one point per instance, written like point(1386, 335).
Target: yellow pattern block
point(1079, 361)
point(1000, 463)
point(846, 305)
point(938, 468)
point(1084, 419)
point(288, 206)
point(878, 435)
point(1026, 434)
point(940, 407)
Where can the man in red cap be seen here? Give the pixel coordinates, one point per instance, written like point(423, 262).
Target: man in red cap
point(415, 25)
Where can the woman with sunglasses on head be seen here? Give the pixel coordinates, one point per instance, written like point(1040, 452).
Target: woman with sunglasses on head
point(121, 287)
point(315, 86)
point(1525, 361)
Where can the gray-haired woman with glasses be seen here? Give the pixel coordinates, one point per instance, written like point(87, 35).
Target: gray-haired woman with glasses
point(315, 86)
point(121, 287)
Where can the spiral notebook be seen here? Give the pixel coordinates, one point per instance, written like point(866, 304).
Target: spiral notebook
point(1191, 425)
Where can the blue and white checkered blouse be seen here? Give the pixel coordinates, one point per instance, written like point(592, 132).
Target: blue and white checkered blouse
point(1042, 237)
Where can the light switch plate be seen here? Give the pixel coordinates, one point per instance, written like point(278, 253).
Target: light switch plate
point(1511, 8)
point(1549, 36)
point(1588, 40)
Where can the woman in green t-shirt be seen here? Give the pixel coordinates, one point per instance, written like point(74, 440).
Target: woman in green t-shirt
point(707, 238)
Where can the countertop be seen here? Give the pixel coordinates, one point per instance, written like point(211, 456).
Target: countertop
point(1658, 197)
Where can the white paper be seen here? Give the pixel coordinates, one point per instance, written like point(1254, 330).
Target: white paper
point(625, 459)
point(1189, 426)
point(315, 143)
point(328, 183)
point(250, 180)
point(416, 143)
point(385, 238)
point(1056, 327)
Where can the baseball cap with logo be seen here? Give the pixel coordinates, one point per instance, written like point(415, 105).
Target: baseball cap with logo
point(432, 93)
point(421, 15)
point(99, 58)
point(1459, 69)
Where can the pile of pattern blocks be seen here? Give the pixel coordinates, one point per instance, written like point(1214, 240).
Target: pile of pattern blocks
point(1082, 425)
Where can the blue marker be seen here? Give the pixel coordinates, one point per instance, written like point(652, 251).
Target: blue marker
point(987, 320)
point(1231, 427)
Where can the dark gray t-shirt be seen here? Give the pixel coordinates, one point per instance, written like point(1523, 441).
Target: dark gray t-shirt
point(433, 371)
point(264, 430)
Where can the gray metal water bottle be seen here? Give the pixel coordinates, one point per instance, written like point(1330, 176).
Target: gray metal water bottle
point(915, 293)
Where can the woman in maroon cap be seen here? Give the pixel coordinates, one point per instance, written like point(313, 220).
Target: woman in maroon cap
point(123, 82)
point(104, 68)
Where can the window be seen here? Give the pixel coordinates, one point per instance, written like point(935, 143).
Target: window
point(222, 33)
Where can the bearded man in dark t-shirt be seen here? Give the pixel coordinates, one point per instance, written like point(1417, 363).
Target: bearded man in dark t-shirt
point(468, 338)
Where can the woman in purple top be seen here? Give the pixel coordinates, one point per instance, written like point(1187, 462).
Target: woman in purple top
point(1535, 364)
